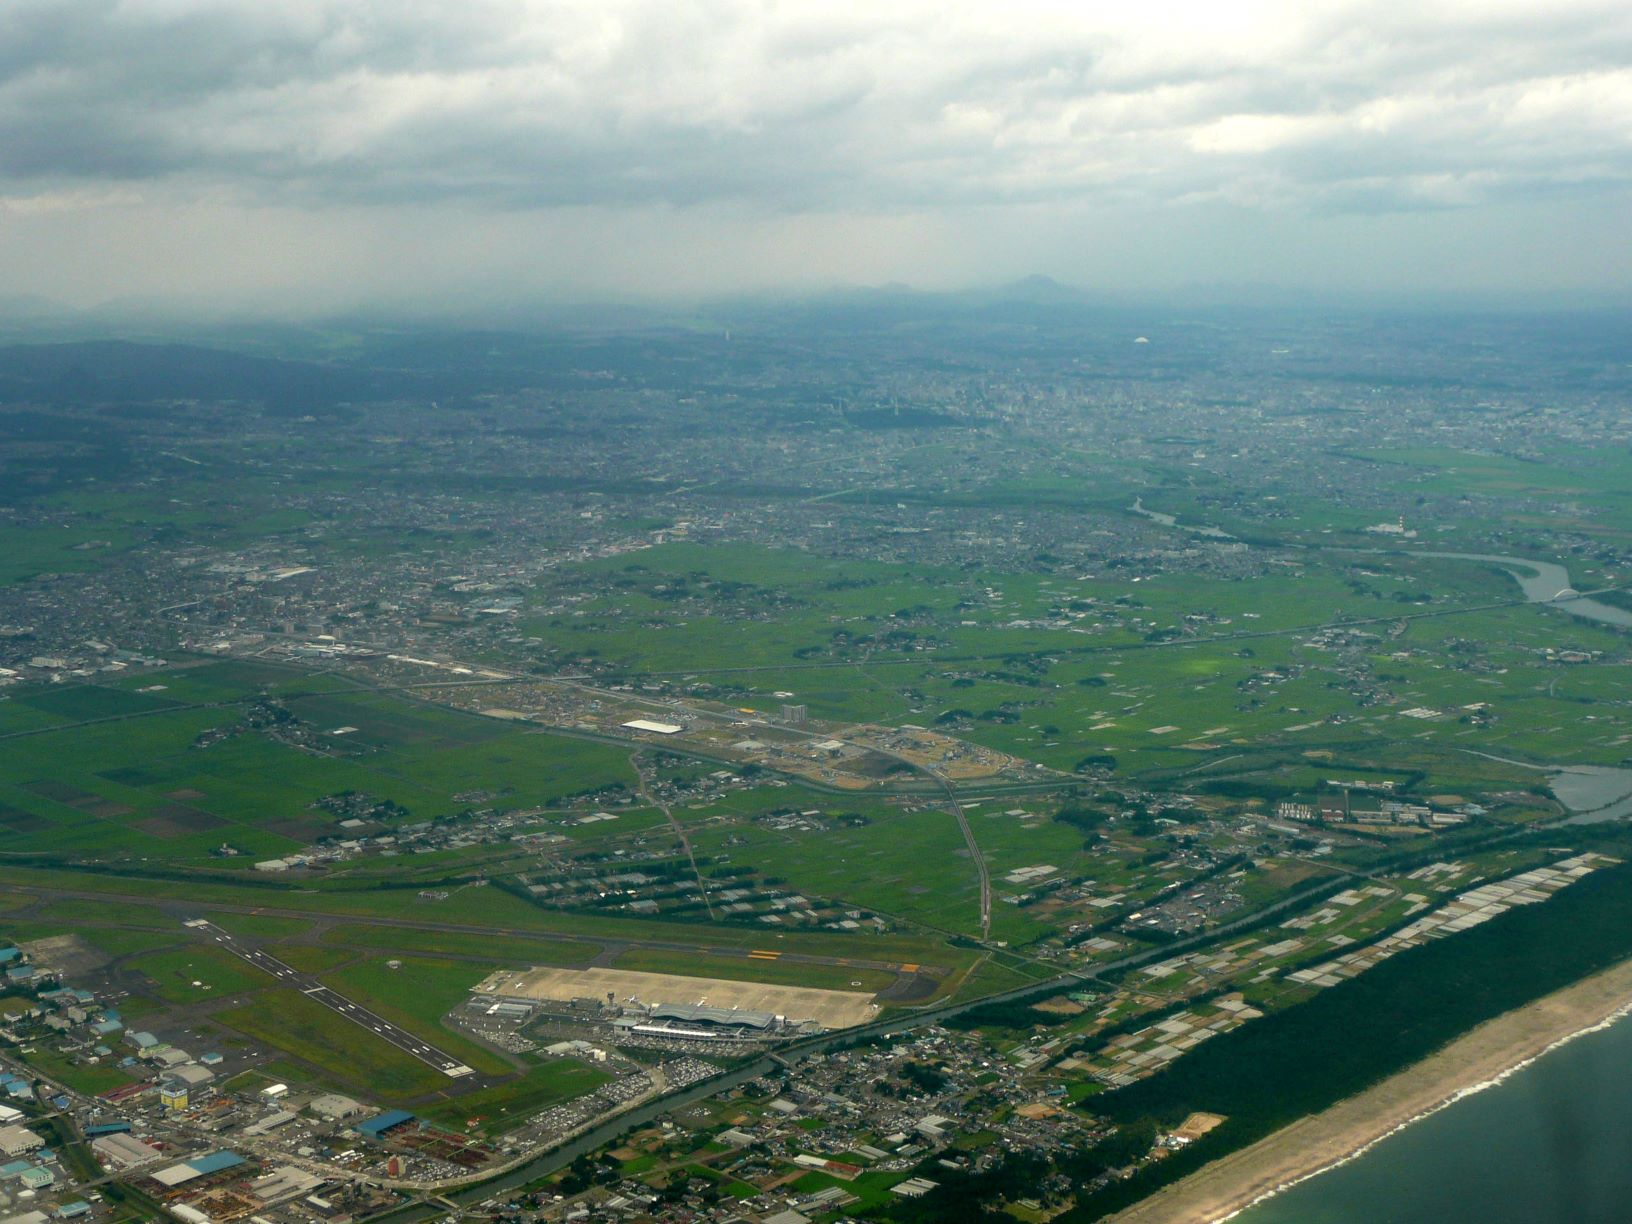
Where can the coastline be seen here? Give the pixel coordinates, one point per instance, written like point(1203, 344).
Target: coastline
point(1479, 1059)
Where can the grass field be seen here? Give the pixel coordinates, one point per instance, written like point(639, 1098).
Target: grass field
point(416, 996)
point(312, 959)
point(777, 972)
point(1011, 673)
point(495, 947)
point(341, 1053)
point(84, 702)
point(81, 1077)
point(249, 791)
point(192, 975)
point(493, 909)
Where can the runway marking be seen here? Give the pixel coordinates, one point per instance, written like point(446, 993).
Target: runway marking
point(337, 1002)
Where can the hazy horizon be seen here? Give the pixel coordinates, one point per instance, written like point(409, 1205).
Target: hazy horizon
point(336, 156)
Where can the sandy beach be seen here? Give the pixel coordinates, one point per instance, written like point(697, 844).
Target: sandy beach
point(1322, 1140)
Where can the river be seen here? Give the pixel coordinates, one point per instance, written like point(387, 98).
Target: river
point(1543, 582)
point(1549, 1143)
point(1593, 793)
point(1168, 520)
point(1546, 1145)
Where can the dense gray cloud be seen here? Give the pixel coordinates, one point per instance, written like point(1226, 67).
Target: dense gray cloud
point(885, 110)
point(816, 106)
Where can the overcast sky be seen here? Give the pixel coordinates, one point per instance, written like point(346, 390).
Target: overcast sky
point(324, 153)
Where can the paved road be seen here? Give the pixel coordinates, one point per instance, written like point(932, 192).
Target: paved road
point(678, 829)
point(334, 1001)
point(977, 856)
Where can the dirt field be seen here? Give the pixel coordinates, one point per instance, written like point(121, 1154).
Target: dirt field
point(832, 1009)
point(69, 955)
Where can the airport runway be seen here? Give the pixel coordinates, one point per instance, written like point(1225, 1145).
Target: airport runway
point(334, 1001)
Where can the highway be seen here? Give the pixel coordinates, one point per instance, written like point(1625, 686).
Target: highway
point(334, 1001)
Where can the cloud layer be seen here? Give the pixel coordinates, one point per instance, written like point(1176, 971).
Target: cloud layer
point(890, 108)
point(819, 106)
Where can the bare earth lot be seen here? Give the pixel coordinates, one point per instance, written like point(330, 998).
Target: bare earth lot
point(832, 1009)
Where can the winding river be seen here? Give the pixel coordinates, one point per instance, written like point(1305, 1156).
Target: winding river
point(1591, 793)
point(1542, 582)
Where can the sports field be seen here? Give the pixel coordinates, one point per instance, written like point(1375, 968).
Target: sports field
point(830, 1008)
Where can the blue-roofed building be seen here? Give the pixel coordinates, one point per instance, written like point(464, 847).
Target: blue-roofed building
point(215, 1162)
point(142, 1040)
point(72, 1211)
point(19, 973)
point(20, 1090)
point(379, 1124)
point(7, 955)
point(211, 1059)
point(106, 1028)
point(114, 1126)
point(15, 1168)
point(60, 1101)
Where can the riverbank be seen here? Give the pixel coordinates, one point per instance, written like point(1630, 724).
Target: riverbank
point(1319, 1142)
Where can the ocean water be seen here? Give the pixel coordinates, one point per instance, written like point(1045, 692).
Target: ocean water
point(1549, 1144)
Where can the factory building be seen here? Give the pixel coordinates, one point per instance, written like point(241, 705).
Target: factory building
point(18, 1140)
point(380, 1125)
